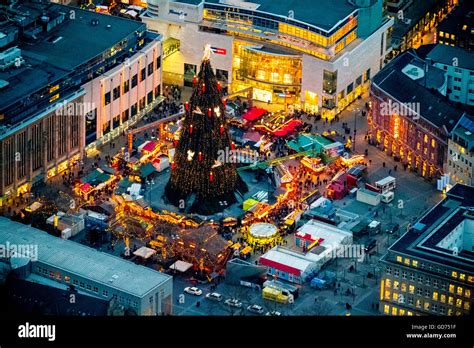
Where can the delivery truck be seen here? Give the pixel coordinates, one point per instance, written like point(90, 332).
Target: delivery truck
point(282, 296)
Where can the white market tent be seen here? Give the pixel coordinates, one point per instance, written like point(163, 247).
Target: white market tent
point(145, 252)
point(181, 266)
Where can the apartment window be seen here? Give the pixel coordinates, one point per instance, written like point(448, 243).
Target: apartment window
point(133, 110)
point(420, 279)
point(394, 310)
point(451, 300)
point(134, 81)
point(149, 98)
point(404, 275)
point(116, 92)
point(81, 284)
point(126, 86)
point(435, 283)
point(150, 69)
point(407, 262)
point(89, 287)
point(388, 270)
point(427, 293)
point(96, 289)
point(467, 306)
point(350, 87)
point(462, 276)
point(75, 281)
point(442, 298)
point(116, 121)
point(367, 75)
point(442, 310)
point(410, 301)
point(125, 115)
point(411, 289)
point(67, 279)
point(459, 291)
point(414, 263)
point(107, 98)
point(45, 271)
point(404, 287)
point(412, 277)
point(451, 288)
point(419, 292)
point(435, 296)
point(459, 303)
point(428, 282)
point(143, 75)
point(467, 293)
point(142, 103)
point(158, 62)
point(105, 293)
point(396, 273)
point(399, 259)
point(427, 306)
point(418, 304)
point(329, 81)
point(386, 309)
point(396, 285)
point(443, 286)
point(388, 283)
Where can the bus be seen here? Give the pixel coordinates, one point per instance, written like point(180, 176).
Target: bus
point(387, 184)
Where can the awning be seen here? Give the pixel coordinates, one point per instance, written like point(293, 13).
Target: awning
point(145, 252)
point(181, 266)
point(254, 114)
point(85, 187)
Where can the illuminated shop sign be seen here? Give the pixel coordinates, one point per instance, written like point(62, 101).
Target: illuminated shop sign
point(217, 50)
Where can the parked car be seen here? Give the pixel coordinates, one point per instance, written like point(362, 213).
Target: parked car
point(255, 309)
point(371, 244)
point(214, 296)
point(273, 314)
point(192, 290)
point(233, 303)
point(392, 228)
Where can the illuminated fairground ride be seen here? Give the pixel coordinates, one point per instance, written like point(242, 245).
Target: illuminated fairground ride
point(262, 234)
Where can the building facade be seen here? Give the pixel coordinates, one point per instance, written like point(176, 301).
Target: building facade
point(413, 123)
point(55, 262)
point(457, 29)
point(458, 65)
point(461, 152)
point(68, 85)
point(430, 270)
point(118, 98)
point(39, 149)
point(319, 57)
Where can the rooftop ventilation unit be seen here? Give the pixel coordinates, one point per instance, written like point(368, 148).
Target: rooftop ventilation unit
point(11, 57)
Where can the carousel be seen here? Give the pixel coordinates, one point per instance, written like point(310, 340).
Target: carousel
point(262, 234)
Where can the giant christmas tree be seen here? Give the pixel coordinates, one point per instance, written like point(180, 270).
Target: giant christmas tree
point(200, 178)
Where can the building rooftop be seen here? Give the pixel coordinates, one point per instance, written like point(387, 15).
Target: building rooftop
point(324, 14)
point(52, 55)
point(78, 259)
point(445, 234)
point(419, 86)
point(445, 54)
point(413, 12)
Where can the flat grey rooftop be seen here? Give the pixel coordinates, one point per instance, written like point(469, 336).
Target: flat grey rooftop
point(324, 14)
point(445, 54)
point(83, 261)
point(81, 41)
